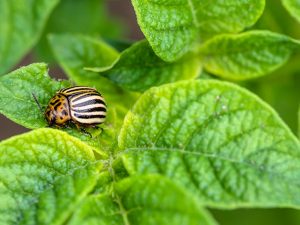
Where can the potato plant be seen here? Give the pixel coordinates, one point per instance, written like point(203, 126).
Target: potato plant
point(202, 113)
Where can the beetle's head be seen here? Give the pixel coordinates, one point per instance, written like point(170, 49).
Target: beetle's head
point(50, 115)
point(57, 112)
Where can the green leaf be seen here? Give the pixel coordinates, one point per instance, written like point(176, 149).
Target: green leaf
point(142, 200)
point(247, 55)
point(31, 163)
point(21, 24)
point(17, 87)
point(138, 68)
point(174, 27)
point(215, 139)
point(293, 7)
point(74, 52)
point(56, 204)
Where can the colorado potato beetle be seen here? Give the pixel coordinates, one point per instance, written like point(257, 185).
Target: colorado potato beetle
point(83, 106)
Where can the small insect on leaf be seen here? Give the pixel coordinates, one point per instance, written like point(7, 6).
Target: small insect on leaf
point(80, 105)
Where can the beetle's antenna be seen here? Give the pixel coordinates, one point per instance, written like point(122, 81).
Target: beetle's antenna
point(37, 102)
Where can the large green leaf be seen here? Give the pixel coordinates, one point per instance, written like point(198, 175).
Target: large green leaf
point(31, 163)
point(16, 99)
point(247, 55)
point(215, 139)
point(293, 7)
point(174, 27)
point(142, 200)
point(21, 24)
point(138, 68)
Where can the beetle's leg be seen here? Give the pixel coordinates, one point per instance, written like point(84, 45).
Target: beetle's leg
point(77, 126)
point(96, 127)
point(85, 132)
point(68, 124)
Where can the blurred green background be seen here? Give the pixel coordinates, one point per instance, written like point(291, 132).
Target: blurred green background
point(114, 20)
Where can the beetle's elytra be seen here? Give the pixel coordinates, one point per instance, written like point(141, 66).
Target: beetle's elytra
point(83, 106)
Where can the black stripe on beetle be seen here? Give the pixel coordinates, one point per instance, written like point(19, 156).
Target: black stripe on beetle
point(88, 116)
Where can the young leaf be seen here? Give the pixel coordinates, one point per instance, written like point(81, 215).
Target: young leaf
point(215, 139)
point(21, 25)
point(142, 200)
point(247, 55)
point(293, 7)
point(30, 163)
point(138, 68)
point(174, 27)
point(74, 52)
point(17, 89)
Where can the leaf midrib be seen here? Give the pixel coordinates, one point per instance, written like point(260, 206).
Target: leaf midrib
point(214, 156)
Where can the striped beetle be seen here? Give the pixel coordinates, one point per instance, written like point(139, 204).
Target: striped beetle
point(83, 106)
